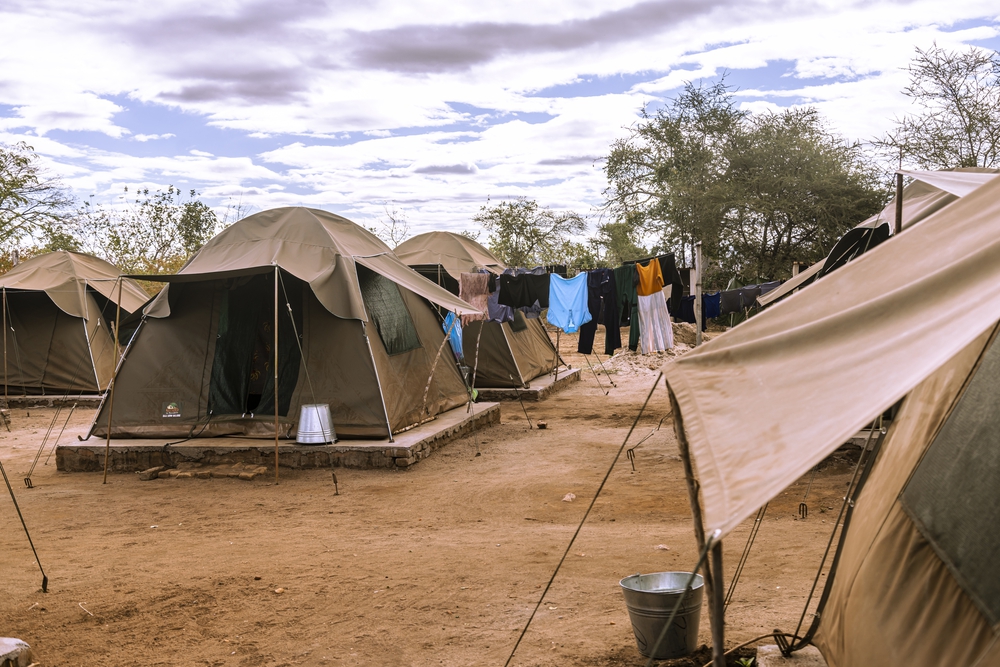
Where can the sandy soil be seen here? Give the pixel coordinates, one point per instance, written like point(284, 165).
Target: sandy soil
point(438, 564)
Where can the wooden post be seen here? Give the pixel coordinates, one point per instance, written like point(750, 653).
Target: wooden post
point(276, 374)
point(899, 203)
point(698, 315)
point(713, 586)
point(114, 376)
point(795, 268)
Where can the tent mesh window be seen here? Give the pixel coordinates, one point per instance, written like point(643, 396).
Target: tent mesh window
point(386, 309)
point(952, 496)
point(242, 370)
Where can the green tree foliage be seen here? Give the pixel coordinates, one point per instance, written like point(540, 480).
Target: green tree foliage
point(957, 124)
point(663, 177)
point(150, 232)
point(789, 192)
point(758, 191)
point(618, 242)
point(522, 233)
point(32, 205)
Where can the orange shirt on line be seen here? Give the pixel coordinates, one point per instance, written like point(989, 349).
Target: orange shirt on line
point(650, 278)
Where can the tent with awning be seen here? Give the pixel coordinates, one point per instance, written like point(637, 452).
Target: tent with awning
point(929, 192)
point(914, 319)
point(507, 354)
point(58, 309)
point(353, 331)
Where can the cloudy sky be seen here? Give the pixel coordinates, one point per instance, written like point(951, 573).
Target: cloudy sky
point(423, 106)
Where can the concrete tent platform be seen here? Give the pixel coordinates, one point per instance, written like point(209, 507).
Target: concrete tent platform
point(408, 447)
point(53, 401)
point(537, 389)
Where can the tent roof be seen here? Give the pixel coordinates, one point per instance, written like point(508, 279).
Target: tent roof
point(929, 192)
point(64, 276)
point(826, 361)
point(458, 254)
point(316, 246)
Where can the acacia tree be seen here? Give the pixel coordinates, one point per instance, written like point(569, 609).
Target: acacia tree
point(155, 232)
point(522, 233)
point(957, 124)
point(32, 205)
point(790, 191)
point(758, 192)
point(663, 178)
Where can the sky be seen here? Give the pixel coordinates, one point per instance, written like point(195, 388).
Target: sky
point(425, 108)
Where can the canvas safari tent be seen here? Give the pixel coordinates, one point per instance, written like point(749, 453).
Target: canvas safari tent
point(354, 331)
point(927, 193)
point(916, 581)
point(508, 354)
point(58, 312)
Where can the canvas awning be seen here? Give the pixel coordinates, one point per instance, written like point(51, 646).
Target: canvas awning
point(763, 403)
point(64, 276)
point(930, 191)
point(316, 246)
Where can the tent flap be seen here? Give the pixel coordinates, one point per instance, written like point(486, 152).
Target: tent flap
point(766, 401)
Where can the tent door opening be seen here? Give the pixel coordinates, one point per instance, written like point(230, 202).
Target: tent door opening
point(242, 380)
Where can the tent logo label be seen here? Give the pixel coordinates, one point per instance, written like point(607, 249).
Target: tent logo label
point(172, 409)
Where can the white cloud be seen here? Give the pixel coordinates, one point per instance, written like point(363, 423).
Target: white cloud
point(432, 105)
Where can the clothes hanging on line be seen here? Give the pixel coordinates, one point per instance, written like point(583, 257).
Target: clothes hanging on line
point(650, 278)
point(748, 296)
point(453, 329)
point(711, 306)
point(671, 276)
point(524, 290)
point(767, 287)
point(686, 313)
point(628, 303)
point(730, 302)
point(498, 312)
point(568, 302)
point(473, 288)
point(602, 301)
point(656, 332)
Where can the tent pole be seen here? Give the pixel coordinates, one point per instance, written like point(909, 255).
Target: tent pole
point(718, 607)
point(111, 400)
point(713, 591)
point(276, 374)
point(899, 203)
point(698, 315)
point(6, 404)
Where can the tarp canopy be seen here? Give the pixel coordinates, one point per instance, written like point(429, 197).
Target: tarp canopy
point(929, 192)
point(64, 276)
point(316, 246)
point(763, 403)
point(458, 254)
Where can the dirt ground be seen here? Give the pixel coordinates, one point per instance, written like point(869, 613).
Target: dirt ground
point(440, 564)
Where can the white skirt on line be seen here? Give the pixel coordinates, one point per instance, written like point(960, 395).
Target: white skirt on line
point(655, 331)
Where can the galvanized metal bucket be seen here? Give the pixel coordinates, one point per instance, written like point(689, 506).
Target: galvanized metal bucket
point(315, 425)
point(650, 598)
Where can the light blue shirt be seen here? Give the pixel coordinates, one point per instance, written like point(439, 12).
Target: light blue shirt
point(568, 302)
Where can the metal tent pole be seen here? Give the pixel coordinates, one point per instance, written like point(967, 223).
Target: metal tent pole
point(276, 374)
point(111, 399)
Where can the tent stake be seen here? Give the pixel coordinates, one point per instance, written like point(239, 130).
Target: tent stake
point(275, 374)
point(111, 399)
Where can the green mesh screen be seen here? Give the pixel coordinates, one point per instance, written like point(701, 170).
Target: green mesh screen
point(388, 312)
point(954, 494)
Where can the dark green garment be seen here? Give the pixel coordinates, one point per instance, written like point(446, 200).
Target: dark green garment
point(628, 298)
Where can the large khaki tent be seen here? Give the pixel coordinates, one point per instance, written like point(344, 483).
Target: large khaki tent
point(59, 310)
point(354, 331)
point(502, 355)
point(916, 319)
